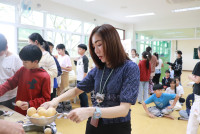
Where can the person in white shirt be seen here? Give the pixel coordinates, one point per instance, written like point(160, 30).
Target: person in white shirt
point(173, 90)
point(158, 68)
point(82, 69)
point(180, 90)
point(66, 66)
point(9, 65)
point(134, 58)
point(47, 62)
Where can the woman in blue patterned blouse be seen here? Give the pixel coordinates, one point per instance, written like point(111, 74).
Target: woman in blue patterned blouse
point(115, 81)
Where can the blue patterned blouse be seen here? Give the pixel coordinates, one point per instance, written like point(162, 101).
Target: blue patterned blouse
point(122, 86)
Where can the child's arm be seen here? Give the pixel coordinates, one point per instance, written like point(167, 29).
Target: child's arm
point(147, 111)
point(174, 103)
point(10, 84)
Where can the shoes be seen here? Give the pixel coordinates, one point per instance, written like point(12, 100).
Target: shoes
point(139, 102)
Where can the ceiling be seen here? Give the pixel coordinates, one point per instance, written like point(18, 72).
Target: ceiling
point(118, 9)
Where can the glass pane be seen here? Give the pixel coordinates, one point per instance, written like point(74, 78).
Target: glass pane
point(88, 27)
point(9, 32)
point(7, 13)
point(20, 46)
point(23, 34)
point(55, 22)
point(32, 18)
point(75, 41)
point(73, 25)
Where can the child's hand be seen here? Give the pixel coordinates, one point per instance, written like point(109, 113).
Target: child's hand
point(151, 115)
point(170, 107)
point(24, 105)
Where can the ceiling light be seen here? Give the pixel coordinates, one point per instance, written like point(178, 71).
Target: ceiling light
point(139, 15)
point(88, 0)
point(186, 9)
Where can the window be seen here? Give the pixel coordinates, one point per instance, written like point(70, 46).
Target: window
point(88, 27)
point(9, 32)
point(23, 34)
point(56, 22)
point(75, 41)
point(33, 18)
point(7, 13)
point(73, 25)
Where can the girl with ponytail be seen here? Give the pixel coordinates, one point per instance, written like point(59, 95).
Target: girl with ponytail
point(145, 71)
point(66, 66)
point(47, 61)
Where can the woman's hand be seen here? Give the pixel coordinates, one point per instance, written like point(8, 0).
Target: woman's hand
point(80, 114)
point(7, 127)
point(54, 103)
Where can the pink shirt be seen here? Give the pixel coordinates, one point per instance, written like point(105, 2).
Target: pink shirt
point(64, 61)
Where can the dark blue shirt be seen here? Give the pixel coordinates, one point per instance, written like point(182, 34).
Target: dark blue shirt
point(122, 86)
point(189, 102)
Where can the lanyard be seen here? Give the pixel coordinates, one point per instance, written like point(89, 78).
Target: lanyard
point(101, 90)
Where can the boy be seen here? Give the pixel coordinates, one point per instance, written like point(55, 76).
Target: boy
point(82, 69)
point(33, 82)
point(161, 101)
point(9, 64)
point(166, 80)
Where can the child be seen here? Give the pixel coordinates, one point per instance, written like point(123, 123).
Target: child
point(161, 101)
point(173, 90)
point(166, 80)
point(156, 78)
point(33, 82)
point(66, 66)
point(145, 68)
point(82, 69)
point(185, 113)
point(134, 58)
point(55, 86)
point(194, 119)
point(9, 64)
point(171, 72)
point(179, 90)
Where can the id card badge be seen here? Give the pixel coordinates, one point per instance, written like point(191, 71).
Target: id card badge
point(94, 122)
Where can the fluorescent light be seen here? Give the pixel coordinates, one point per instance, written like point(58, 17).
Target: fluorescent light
point(139, 15)
point(186, 9)
point(88, 0)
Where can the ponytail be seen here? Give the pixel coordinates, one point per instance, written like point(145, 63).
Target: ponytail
point(146, 55)
point(66, 52)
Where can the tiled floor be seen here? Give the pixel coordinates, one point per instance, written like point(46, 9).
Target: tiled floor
point(141, 123)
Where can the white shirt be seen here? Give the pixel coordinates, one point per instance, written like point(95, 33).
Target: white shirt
point(136, 60)
point(8, 67)
point(48, 63)
point(82, 67)
point(179, 90)
point(64, 61)
point(160, 64)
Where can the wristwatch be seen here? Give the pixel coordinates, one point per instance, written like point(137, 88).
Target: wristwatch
point(97, 113)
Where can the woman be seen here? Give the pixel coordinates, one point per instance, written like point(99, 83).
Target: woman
point(115, 80)
point(47, 62)
point(156, 78)
point(66, 66)
point(194, 118)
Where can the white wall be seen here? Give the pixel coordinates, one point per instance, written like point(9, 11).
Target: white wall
point(187, 48)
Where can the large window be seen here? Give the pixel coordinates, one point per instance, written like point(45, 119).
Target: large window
point(53, 28)
point(33, 18)
point(7, 13)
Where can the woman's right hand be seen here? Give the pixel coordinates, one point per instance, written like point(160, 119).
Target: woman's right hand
point(54, 103)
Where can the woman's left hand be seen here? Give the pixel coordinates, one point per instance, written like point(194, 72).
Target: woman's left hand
point(80, 114)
